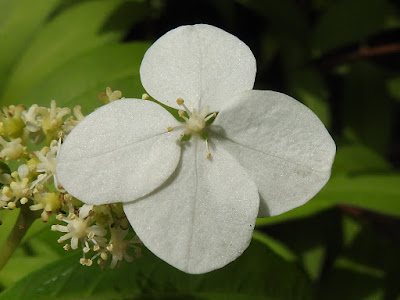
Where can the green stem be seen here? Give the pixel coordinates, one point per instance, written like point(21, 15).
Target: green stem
point(21, 226)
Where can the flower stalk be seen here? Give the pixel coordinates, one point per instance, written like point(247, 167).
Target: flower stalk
point(24, 221)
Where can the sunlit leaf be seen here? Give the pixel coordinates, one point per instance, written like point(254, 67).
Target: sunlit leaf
point(379, 193)
point(72, 33)
point(357, 158)
point(19, 22)
point(79, 81)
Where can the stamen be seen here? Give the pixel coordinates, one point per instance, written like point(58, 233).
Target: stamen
point(213, 115)
point(170, 128)
point(208, 149)
point(145, 97)
point(180, 101)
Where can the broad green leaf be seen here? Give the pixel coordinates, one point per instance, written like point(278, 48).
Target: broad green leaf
point(79, 81)
point(351, 21)
point(312, 207)
point(258, 274)
point(357, 158)
point(19, 22)
point(73, 32)
point(29, 257)
point(379, 193)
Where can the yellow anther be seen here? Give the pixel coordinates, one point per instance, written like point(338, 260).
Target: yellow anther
point(86, 249)
point(181, 113)
point(96, 248)
point(208, 155)
point(24, 200)
point(104, 256)
point(67, 197)
point(170, 129)
point(145, 97)
point(67, 247)
point(14, 174)
point(179, 101)
point(11, 205)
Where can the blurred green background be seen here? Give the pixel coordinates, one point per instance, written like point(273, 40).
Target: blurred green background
point(341, 58)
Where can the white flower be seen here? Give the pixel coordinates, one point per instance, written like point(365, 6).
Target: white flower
point(47, 165)
point(79, 228)
point(194, 203)
point(13, 149)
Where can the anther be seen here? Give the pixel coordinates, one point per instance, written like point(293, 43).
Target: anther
point(145, 97)
point(180, 101)
point(170, 128)
point(181, 113)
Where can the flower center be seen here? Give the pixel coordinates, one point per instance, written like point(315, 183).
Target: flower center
point(77, 227)
point(196, 121)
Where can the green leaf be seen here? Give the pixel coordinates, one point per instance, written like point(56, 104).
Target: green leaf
point(258, 274)
point(347, 22)
point(29, 257)
point(19, 22)
point(356, 158)
point(379, 193)
point(74, 32)
point(79, 81)
point(312, 207)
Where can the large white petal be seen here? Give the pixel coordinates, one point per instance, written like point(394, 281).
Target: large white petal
point(281, 143)
point(203, 217)
point(201, 64)
point(119, 152)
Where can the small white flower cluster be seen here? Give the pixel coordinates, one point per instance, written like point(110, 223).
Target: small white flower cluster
point(43, 128)
point(88, 226)
point(34, 185)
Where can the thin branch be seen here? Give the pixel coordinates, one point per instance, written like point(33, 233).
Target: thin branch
point(21, 226)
